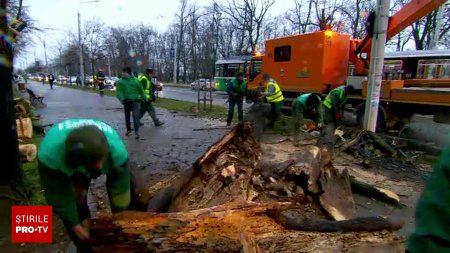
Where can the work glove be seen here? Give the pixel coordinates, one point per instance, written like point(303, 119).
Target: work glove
point(338, 116)
point(81, 232)
point(310, 127)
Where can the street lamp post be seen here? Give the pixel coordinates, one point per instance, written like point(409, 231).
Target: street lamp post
point(80, 47)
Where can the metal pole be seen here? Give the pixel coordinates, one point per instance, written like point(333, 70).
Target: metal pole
point(45, 55)
point(376, 65)
point(175, 64)
point(109, 67)
point(80, 47)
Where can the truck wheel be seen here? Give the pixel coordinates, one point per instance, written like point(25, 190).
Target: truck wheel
point(381, 118)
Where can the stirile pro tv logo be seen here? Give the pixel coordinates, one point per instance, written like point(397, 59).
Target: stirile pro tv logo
point(31, 224)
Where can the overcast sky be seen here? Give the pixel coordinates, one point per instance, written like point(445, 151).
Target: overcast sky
point(58, 16)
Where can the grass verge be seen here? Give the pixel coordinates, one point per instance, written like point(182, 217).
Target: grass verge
point(216, 112)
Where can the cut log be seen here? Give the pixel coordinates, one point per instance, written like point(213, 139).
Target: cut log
point(244, 227)
point(27, 152)
point(297, 222)
point(360, 187)
point(337, 197)
point(24, 128)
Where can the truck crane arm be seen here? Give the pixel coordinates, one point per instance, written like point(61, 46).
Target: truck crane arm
point(405, 17)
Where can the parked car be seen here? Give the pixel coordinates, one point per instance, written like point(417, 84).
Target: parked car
point(88, 80)
point(61, 79)
point(159, 86)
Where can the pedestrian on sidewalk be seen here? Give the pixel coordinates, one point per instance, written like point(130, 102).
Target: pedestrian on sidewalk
point(72, 153)
point(99, 81)
point(51, 80)
point(130, 93)
point(237, 90)
point(149, 90)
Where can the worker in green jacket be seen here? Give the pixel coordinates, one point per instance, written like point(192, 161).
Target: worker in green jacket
point(149, 90)
point(333, 106)
point(72, 153)
point(275, 98)
point(306, 106)
point(236, 90)
point(432, 233)
point(130, 93)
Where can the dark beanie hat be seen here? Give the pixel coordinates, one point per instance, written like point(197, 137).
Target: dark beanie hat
point(86, 145)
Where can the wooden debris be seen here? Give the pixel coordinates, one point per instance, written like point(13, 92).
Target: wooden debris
point(212, 183)
point(337, 197)
point(232, 227)
point(363, 188)
point(210, 210)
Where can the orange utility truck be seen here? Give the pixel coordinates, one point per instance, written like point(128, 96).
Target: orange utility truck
point(320, 61)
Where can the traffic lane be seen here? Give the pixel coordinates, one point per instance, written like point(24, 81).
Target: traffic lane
point(159, 149)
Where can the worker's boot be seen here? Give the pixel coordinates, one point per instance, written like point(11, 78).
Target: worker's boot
point(159, 123)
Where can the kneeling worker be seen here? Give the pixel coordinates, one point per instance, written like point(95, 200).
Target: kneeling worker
point(333, 115)
point(306, 106)
point(72, 153)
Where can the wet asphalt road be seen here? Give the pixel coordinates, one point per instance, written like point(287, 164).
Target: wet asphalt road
point(160, 151)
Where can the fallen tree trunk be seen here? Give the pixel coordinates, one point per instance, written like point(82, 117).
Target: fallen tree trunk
point(232, 227)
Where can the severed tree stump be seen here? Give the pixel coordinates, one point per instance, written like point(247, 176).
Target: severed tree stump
point(223, 173)
point(211, 207)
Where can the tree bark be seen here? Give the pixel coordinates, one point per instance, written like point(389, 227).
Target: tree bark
point(230, 227)
point(298, 222)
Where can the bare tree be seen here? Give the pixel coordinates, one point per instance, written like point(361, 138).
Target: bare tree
point(325, 13)
point(300, 15)
point(355, 13)
point(93, 41)
point(249, 16)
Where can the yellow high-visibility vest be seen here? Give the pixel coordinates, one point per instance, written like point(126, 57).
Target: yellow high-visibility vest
point(147, 87)
point(339, 90)
point(277, 96)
